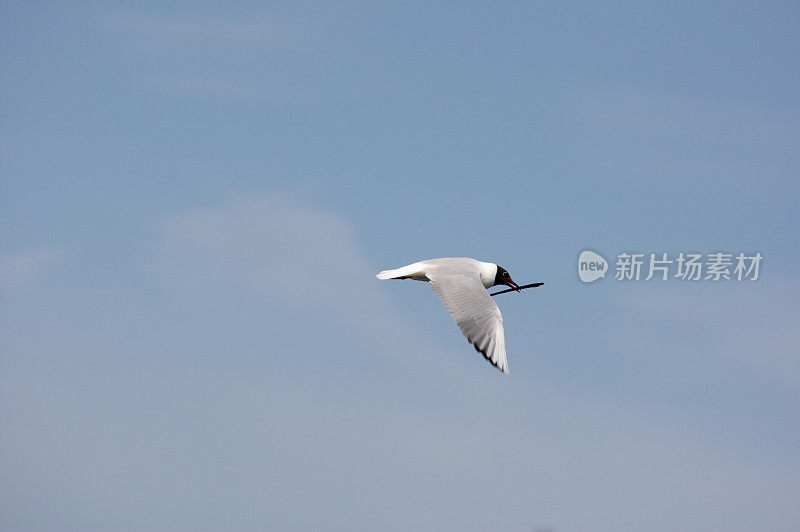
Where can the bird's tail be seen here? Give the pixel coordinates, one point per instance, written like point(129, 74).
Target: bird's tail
point(412, 271)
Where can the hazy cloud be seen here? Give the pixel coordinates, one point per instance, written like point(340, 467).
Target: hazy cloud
point(750, 326)
point(253, 376)
point(299, 266)
point(24, 266)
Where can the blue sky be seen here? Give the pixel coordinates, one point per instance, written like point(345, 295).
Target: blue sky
point(194, 200)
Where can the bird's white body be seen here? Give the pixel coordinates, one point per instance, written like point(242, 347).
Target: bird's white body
point(461, 284)
point(418, 270)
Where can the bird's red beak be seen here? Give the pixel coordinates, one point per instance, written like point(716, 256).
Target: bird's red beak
point(513, 285)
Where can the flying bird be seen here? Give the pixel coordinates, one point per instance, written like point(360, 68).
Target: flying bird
point(461, 284)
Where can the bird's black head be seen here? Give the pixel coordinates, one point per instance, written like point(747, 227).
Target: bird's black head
point(502, 277)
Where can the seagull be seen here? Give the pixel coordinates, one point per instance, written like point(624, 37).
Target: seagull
point(461, 284)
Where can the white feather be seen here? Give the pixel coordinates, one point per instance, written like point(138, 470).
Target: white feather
point(461, 285)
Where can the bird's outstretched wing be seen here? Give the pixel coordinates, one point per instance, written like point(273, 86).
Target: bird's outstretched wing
point(474, 311)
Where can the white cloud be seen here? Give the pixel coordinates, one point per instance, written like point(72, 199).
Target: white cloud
point(301, 266)
point(271, 245)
